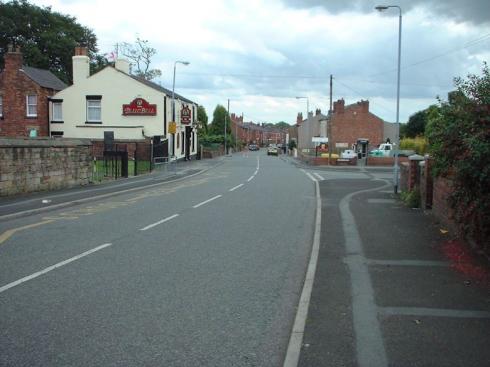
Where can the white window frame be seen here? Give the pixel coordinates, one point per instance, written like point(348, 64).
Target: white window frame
point(99, 107)
point(31, 105)
point(53, 111)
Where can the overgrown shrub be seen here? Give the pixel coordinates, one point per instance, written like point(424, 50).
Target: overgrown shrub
point(411, 198)
point(418, 144)
point(459, 136)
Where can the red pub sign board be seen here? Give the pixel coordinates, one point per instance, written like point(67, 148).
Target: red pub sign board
point(185, 115)
point(139, 107)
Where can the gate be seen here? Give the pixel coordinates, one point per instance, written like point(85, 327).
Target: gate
point(115, 163)
point(160, 150)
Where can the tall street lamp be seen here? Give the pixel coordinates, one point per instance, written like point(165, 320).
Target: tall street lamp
point(173, 100)
point(307, 117)
point(397, 137)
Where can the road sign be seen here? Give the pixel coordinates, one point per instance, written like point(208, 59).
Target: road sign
point(172, 127)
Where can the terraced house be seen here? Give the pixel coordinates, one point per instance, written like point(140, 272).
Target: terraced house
point(24, 95)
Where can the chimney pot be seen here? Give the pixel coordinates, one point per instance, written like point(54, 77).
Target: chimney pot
point(80, 51)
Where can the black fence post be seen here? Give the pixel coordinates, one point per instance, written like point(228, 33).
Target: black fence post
point(135, 156)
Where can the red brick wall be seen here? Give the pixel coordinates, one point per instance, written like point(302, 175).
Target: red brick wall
point(404, 173)
point(14, 87)
point(384, 161)
point(441, 191)
point(352, 122)
point(426, 185)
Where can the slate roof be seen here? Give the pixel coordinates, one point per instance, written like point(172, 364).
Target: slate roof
point(44, 78)
point(161, 89)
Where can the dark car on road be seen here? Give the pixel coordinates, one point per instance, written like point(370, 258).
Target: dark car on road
point(253, 147)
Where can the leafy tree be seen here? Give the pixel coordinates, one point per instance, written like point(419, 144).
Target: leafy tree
point(282, 125)
point(140, 54)
point(415, 125)
point(202, 119)
point(459, 137)
point(218, 124)
point(47, 38)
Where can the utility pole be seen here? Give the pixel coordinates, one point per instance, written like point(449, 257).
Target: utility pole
point(329, 123)
point(228, 111)
point(330, 110)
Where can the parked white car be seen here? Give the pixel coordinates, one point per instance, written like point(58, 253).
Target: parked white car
point(348, 154)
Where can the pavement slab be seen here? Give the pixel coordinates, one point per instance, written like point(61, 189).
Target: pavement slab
point(428, 314)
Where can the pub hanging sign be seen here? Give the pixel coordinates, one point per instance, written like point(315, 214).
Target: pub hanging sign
point(185, 115)
point(139, 107)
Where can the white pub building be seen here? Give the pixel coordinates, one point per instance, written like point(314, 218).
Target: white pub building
point(130, 108)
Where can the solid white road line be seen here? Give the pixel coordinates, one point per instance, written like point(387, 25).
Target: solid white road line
point(207, 201)
point(53, 267)
point(311, 177)
point(250, 178)
point(317, 175)
point(159, 222)
point(236, 187)
point(296, 338)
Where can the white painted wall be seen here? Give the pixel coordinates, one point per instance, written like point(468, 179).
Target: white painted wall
point(116, 89)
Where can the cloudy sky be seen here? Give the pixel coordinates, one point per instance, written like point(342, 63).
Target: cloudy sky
point(262, 54)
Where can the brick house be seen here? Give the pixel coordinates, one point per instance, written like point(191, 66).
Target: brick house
point(252, 133)
point(354, 124)
point(24, 96)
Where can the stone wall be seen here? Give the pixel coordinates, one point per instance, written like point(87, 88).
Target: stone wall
point(28, 165)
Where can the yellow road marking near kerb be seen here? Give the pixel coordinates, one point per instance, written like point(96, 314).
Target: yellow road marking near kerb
point(8, 233)
point(101, 207)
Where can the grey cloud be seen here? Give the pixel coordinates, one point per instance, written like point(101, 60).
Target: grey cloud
point(473, 11)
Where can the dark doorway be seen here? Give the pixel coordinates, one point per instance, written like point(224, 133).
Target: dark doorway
point(160, 149)
point(188, 135)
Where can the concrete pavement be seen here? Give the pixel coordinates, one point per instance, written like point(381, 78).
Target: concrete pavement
point(385, 293)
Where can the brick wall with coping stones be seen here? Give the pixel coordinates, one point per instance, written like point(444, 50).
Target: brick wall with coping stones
point(28, 165)
point(15, 85)
point(404, 168)
point(434, 192)
point(384, 161)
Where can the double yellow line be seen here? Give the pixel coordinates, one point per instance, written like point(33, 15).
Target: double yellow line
point(8, 233)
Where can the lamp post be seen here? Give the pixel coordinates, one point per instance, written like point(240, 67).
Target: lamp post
point(307, 117)
point(397, 137)
point(173, 101)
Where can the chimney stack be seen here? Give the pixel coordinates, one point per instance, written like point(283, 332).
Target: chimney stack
point(338, 106)
point(364, 106)
point(13, 59)
point(122, 65)
point(81, 65)
point(299, 118)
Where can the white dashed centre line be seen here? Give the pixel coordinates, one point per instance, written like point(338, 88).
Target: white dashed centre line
point(52, 267)
point(159, 222)
point(236, 187)
point(207, 201)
